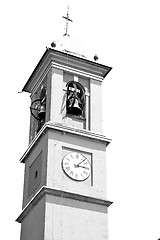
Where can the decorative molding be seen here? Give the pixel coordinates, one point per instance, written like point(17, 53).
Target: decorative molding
point(59, 193)
point(76, 71)
point(77, 131)
point(66, 62)
point(64, 129)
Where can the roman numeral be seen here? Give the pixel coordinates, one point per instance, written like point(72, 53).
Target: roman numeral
point(67, 168)
point(71, 173)
point(86, 173)
point(66, 163)
point(76, 176)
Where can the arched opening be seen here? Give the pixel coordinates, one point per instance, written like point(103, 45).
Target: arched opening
point(75, 103)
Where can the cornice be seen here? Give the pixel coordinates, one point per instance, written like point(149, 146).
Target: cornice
point(79, 132)
point(64, 129)
point(59, 193)
point(46, 67)
point(69, 63)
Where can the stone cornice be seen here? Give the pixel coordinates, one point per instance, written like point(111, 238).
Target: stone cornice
point(64, 129)
point(59, 193)
point(66, 62)
point(80, 132)
point(47, 66)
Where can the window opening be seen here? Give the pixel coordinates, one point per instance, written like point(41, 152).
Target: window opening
point(36, 174)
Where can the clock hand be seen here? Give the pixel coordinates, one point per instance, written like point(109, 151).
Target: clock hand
point(83, 167)
point(80, 162)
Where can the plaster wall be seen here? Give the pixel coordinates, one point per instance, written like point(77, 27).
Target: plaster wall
point(40, 148)
point(74, 220)
point(32, 227)
point(56, 95)
point(95, 106)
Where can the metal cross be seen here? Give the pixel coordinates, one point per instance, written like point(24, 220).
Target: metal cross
point(67, 20)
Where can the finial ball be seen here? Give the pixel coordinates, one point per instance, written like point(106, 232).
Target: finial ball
point(95, 57)
point(53, 44)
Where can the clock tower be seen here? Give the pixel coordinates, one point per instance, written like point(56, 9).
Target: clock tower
point(65, 192)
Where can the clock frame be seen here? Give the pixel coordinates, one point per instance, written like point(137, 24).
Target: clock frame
point(76, 166)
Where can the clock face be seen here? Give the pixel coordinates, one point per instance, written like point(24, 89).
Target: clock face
point(76, 166)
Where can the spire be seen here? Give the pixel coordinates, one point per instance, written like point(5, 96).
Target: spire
point(67, 21)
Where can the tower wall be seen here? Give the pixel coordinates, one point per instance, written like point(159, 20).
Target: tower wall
point(56, 205)
point(59, 145)
point(72, 219)
point(35, 169)
point(33, 225)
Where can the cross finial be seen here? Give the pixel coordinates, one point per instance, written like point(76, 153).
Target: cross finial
point(67, 20)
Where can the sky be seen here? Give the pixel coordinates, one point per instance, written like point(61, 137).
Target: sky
point(126, 36)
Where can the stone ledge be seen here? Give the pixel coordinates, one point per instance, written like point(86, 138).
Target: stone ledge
point(59, 193)
point(80, 132)
point(65, 129)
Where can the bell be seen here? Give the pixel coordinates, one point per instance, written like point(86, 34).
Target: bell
point(75, 109)
point(42, 112)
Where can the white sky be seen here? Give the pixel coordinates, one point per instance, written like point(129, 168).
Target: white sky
point(126, 36)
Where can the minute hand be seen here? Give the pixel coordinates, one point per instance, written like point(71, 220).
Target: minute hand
point(81, 162)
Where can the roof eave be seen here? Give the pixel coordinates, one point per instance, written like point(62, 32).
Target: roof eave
point(50, 50)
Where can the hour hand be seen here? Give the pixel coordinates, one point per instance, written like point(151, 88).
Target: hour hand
point(82, 166)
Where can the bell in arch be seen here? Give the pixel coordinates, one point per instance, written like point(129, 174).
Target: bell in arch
point(38, 106)
point(75, 98)
point(41, 112)
point(75, 108)
point(42, 106)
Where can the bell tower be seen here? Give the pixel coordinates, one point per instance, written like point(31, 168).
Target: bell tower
point(65, 192)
